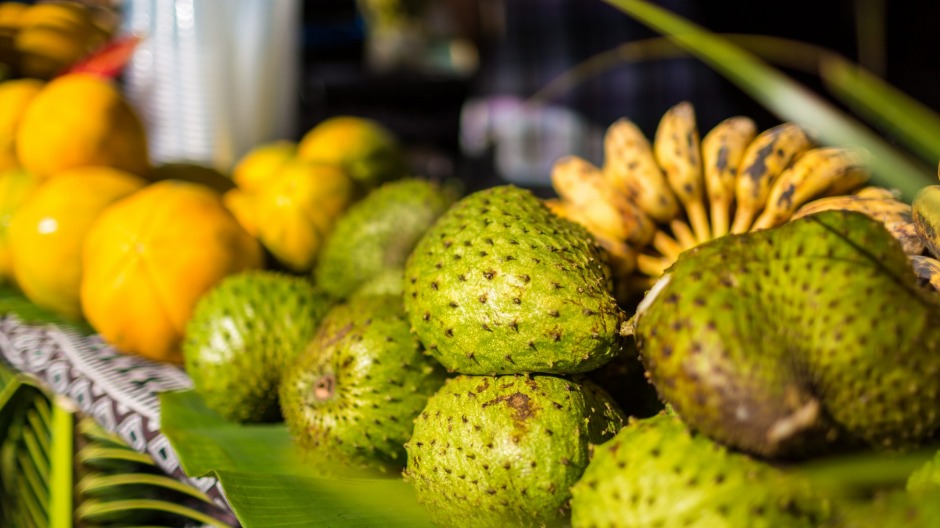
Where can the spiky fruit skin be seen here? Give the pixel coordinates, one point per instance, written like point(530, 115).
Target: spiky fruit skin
point(655, 472)
point(378, 233)
point(500, 285)
point(504, 450)
point(242, 336)
point(897, 508)
point(352, 395)
point(387, 282)
point(794, 339)
point(926, 478)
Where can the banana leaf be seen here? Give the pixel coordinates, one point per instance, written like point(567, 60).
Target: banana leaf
point(783, 96)
point(269, 483)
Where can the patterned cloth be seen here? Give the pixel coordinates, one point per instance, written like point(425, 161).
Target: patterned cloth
point(117, 390)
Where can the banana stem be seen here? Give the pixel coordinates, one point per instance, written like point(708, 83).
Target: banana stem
point(695, 210)
point(683, 234)
point(720, 220)
point(667, 246)
point(652, 265)
point(743, 218)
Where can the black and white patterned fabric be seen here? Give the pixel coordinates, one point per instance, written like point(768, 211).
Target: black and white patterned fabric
point(118, 390)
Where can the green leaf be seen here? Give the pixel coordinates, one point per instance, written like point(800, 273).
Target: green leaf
point(13, 302)
point(291, 500)
point(886, 107)
point(786, 98)
point(269, 483)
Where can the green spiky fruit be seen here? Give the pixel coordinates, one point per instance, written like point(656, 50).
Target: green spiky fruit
point(926, 478)
point(242, 335)
point(501, 285)
point(352, 395)
point(890, 509)
point(387, 282)
point(504, 450)
point(378, 233)
point(655, 472)
point(797, 339)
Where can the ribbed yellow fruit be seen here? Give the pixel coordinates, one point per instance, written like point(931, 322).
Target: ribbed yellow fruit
point(80, 120)
point(15, 97)
point(148, 260)
point(47, 232)
point(260, 166)
point(296, 212)
point(16, 186)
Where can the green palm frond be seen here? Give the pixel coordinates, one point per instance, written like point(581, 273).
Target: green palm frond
point(58, 469)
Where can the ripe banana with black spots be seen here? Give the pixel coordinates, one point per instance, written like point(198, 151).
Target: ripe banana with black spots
point(926, 212)
point(764, 160)
point(722, 150)
point(631, 169)
point(927, 270)
point(678, 152)
point(818, 172)
point(579, 183)
point(895, 215)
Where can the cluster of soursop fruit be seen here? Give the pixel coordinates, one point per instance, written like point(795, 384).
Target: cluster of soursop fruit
point(477, 347)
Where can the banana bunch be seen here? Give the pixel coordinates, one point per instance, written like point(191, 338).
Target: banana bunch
point(43, 39)
point(649, 202)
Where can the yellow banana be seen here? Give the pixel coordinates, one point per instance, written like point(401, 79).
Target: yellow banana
point(927, 270)
point(763, 161)
point(818, 172)
point(895, 215)
point(722, 150)
point(652, 265)
point(926, 212)
point(678, 152)
point(630, 168)
point(666, 245)
point(582, 186)
point(877, 192)
point(622, 256)
point(683, 234)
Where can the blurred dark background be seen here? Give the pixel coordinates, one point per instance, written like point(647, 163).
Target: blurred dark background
point(451, 77)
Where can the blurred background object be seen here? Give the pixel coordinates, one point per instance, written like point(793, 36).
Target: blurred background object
point(455, 79)
point(213, 78)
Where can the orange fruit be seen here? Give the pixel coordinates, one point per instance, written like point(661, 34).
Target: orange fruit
point(79, 120)
point(47, 231)
point(15, 97)
point(243, 205)
point(368, 152)
point(148, 260)
point(260, 165)
point(16, 186)
point(296, 212)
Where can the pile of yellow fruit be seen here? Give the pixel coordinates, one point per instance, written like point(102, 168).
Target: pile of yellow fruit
point(89, 229)
point(41, 40)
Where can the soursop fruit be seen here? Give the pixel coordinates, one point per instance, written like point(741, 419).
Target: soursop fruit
point(386, 282)
point(352, 395)
point(500, 285)
point(655, 472)
point(242, 335)
point(504, 450)
point(796, 339)
point(891, 509)
point(378, 233)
